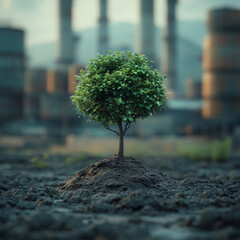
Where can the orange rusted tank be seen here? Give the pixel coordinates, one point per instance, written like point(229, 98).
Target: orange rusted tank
point(211, 108)
point(223, 19)
point(222, 51)
point(217, 107)
point(221, 85)
point(221, 65)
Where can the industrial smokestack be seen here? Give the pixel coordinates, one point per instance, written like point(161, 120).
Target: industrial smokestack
point(66, 39)
point(103, 28)
point(169, 58)
point(147, 42)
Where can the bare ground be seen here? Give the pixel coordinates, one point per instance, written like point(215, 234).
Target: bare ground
point(107, 199)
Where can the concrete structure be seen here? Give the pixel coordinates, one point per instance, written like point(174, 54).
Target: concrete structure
point(147, 29)
point(170, 54)
point(66, 37)
point(12, 67)
point(47, 99)
point(35, 87)
point(221, 64)
point(194, 89)
point(73, 71)
point(103, 28)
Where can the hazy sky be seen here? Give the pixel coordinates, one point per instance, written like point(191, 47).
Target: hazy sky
point(40, 19)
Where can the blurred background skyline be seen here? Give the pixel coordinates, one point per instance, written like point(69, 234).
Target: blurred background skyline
point(45, 43)
point(39, 18)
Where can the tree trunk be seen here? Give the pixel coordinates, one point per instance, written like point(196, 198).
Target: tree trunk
point(121, 144)
point(121, 147)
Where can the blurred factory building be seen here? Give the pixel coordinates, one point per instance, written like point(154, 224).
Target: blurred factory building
point(170, 51)
point(221, 65)
point(103, 40)
point(209, 107)
point(147, 29)
point(12, 67)
point(66, 36)
point(47, 91)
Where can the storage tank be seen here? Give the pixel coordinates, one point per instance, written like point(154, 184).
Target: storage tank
point(222, 51)
point(12, 64)
point(223, 19)
point(221, 65)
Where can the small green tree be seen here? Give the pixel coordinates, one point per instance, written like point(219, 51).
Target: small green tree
point(118, 89)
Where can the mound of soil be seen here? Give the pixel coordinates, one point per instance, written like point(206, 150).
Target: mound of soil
point(120, 186)
point(201, 200)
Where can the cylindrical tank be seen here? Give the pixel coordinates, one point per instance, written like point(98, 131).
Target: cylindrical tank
point(217, 107)
point(11, 73)
point(223, 19)
point(221, 85)
point(222, 51)
point(221, 65)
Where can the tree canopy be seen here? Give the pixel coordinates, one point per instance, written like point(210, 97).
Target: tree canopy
point(119, 87)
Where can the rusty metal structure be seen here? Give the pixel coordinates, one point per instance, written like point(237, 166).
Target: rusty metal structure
point(103, 40)
point(221, 64)
point(12, 67)
point(170, 51)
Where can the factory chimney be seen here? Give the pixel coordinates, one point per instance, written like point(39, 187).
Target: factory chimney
point(66, 38)
point(169, 57)
point(103, 28)
point(147, 28)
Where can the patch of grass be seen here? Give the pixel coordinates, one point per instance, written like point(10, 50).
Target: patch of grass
point(40, 162)
point(76, 159)
point(214, 151)
point(9, 150)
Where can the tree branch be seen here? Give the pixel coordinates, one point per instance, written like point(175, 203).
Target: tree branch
point(107, 127)
point(127, 126)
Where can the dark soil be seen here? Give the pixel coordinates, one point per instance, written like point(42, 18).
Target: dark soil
point(113, 199)
point(112, 186)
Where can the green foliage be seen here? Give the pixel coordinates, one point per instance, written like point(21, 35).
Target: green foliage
point(215, 151)
point(119, 87)
point(40, 162)
point(77, 159)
